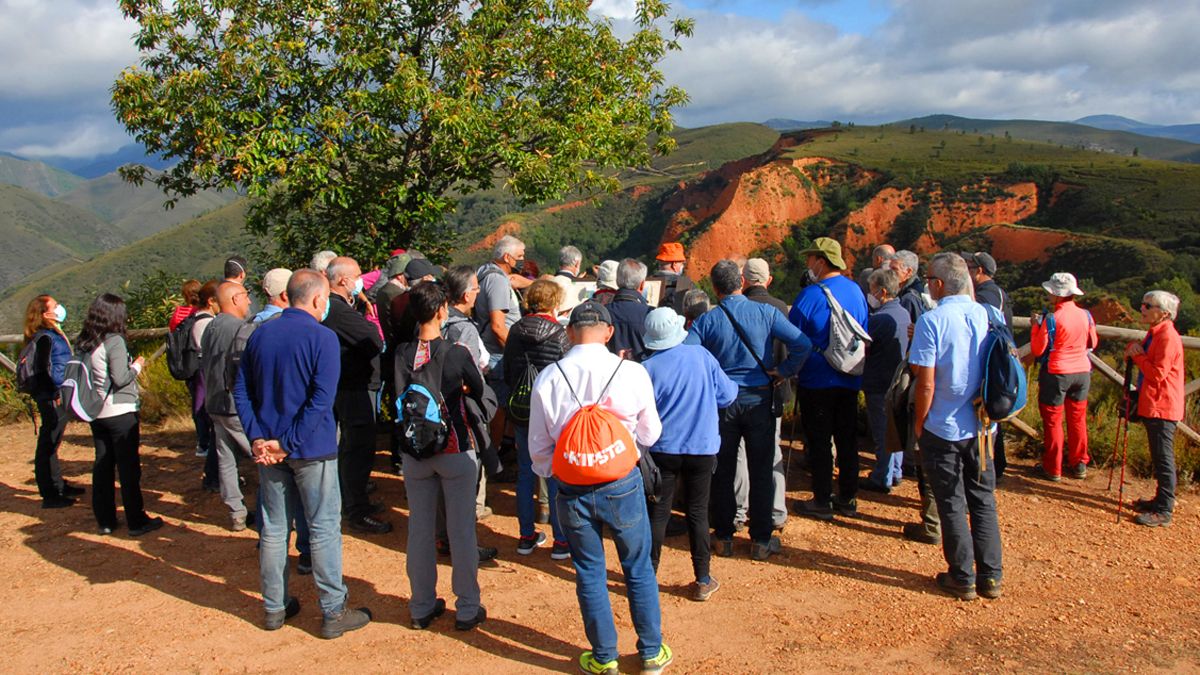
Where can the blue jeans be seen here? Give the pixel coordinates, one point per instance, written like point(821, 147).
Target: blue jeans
point(526, 484)
point(585, 510)
point(888, 465)
point(310, 486)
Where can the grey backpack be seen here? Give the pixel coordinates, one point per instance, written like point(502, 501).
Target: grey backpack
point(81, 398)
point(847, 350)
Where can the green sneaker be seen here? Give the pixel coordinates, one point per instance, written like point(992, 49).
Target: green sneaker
point(660, 662)
point(589, 664)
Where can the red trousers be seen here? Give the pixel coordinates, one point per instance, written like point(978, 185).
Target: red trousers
point(1077, 436)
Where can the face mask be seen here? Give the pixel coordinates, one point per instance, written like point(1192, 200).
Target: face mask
point(810, 275)
point(873, 301)
point(518, 265)
point(60, 313)
point(358, 288)
point(325, 315)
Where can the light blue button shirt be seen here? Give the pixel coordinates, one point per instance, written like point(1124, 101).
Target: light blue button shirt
point(949, 338)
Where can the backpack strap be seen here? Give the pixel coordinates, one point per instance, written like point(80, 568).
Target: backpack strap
point(602, 391)
point(836, 307)
point(737, 328)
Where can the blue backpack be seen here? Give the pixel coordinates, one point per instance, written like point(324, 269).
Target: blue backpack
point(1004, 389)
point(420, 407)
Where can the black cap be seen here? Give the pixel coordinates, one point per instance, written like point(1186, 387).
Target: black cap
point(981, 260)
point(420, 267)
point(589, 313)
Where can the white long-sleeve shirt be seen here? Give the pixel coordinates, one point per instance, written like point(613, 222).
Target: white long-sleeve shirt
point(588, 367)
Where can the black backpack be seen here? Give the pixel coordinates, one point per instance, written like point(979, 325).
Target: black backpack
point(182, 359)
point(27, 370)
point(522, 393)
point(421, 415)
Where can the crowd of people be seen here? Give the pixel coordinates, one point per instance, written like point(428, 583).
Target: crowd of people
point(470, 367)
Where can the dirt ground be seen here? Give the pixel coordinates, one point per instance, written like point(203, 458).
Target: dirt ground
point(1081, 592)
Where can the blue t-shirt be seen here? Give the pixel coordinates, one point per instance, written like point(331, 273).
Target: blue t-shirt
point(810, 313)
point(949, 338)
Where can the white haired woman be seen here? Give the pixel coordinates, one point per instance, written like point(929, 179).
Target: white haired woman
point(1159, 357)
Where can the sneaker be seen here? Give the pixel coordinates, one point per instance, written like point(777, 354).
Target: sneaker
point(334, 625)
point(149, 526)
point(487, 553)
point(274, 620)
point(105, 530)
point(239, 524)
point(871, 486)
point(560, 551)
point(201, 452)
point(958, 590)
point(848, 508)
point(761, 550)
point(526, 545)
point(370, 525)
point(1078, 472)
point(589, 664)
point(917, 532)
point(659, 662)
point(72, 490)
point(483, 513)
point(1154, 519)
point(421, 623)
point(989, 588)
point(480, 617)
point(59, 502)
point(723, 547)
point(304, 564)
point(1040, 472)
point(811, 508)
point(702, 592)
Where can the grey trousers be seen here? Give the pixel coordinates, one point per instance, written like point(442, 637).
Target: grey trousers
point(966, 503)
point(230, 438)
point(424, 480)
point(929, 515)
point(741, 484)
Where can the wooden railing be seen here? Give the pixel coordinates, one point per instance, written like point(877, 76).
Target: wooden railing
point(138, 334)
point(1100, 365)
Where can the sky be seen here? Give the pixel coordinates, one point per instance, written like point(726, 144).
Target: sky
point(866, 61)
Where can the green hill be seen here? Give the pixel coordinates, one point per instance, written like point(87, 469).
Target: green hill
point(138, 210)
point(39, 233)
point(196, 249)
point(1066, 134)
point(36, 176)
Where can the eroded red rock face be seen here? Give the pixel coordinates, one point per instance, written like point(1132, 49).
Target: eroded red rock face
point(1111, 312)
point(1016, 245)
point(509, 227)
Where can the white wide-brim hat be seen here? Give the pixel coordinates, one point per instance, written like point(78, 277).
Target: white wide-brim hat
point(1062, 284)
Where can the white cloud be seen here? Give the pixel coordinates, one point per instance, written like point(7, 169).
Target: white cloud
point(83, 137)
point(615, 9)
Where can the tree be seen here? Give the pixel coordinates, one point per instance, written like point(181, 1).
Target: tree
point(355, 124)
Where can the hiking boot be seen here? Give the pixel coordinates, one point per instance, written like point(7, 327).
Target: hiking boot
point(1039, 471)
point(59, 502)
point(676, 526)
point(761, 550)
point(274, 620)
point(560, 551)
point(149, 526)
point(958, 590)
point(871, 486)
point(1142, 505)
point(702, 592)
point(1078, 472)
point(487, 553)
point(989, 588)
point(69, 490)
point(811, 508)
point(589, 664)
point(525, 545)
point(468, 624)
point(334, 625)
point(848, 508)
point(304, 564)
point(238, 524)
point(483, 513)
point(369, 525)
point(1154, 519)
point(659, 662)
point(917, 532)
point(723, 547)
point(421, 623)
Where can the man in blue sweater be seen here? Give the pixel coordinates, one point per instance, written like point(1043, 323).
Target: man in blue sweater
point(749, 417)
point(828, 398)
point(284, 397)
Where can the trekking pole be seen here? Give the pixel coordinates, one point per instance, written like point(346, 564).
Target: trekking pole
point(1124, 440)
point(1122, 424)
point(787, 466)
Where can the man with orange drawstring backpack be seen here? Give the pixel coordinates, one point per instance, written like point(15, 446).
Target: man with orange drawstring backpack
point(589, 413)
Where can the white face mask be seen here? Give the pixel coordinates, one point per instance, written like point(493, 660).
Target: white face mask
point(873, 301)
point(810, 275)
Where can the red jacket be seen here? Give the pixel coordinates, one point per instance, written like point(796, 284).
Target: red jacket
point(181, 312)
point(1161, 394)
point(1074, 334)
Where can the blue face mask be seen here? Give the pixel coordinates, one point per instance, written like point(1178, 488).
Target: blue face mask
point(60, 313)
point(326, 314)
point(358, 288)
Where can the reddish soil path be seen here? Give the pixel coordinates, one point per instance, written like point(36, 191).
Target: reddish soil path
point(1081, 593)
